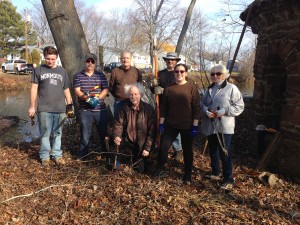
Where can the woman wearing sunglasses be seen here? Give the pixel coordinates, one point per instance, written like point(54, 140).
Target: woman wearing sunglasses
point(179, 114)
point(221, 103)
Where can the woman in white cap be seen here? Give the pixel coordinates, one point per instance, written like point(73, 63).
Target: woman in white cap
point(221, 103)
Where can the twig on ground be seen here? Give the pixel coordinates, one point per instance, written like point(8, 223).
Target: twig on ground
point(33, 193)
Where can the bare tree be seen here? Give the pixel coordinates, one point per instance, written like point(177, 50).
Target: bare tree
point(40, 23)
point(185, 26)
point(197, 30)
point(164, 17)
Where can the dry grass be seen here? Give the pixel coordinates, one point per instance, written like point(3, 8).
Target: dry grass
point(10, 81)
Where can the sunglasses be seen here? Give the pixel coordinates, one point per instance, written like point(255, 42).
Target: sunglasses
point(218, 74)
point(179, 71)
point(90, 61)
point(170, 59)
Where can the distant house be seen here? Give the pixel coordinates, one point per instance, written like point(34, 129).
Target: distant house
point(139, 60)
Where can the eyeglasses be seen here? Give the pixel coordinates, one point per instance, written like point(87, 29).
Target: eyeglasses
point(90, 61)
point(218, 74)
point(170, 59)
point(179, 71)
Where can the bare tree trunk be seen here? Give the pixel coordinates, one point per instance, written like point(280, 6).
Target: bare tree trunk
point(67, 32)
point(185, 27)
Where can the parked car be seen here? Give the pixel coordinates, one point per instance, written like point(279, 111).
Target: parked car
point(108, 68)
point(99, 68)
point(17, 65)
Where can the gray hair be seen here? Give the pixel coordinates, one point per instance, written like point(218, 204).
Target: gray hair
point(139, 86)
point(125, 52)
point(220, 68)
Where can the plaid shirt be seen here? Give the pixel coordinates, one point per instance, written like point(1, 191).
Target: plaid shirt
point(95, 83)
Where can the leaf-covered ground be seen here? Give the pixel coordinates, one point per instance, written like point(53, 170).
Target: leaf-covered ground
point(87, 193)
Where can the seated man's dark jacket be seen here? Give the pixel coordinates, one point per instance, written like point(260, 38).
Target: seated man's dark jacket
point(145, 124)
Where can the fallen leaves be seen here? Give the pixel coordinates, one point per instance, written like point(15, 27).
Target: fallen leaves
point(87, 193)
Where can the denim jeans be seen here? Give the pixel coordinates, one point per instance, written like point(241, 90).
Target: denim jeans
point(167, 138)
point(117, 107)
point(87, 118)
point(50, 124)
point(177, 143)
point(216, 154)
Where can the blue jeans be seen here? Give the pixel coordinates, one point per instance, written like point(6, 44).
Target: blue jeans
point(87, 118)
point(50, 123)
point(177, 143)
point(216, 154)
point(117, 107)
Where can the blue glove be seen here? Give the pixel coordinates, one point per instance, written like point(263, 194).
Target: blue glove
point(161, 128)
point(194, 131)
point(93, 101)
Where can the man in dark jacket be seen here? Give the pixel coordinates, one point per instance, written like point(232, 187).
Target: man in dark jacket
point(134, 127)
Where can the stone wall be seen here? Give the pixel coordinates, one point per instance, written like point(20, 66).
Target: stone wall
point(277, 74)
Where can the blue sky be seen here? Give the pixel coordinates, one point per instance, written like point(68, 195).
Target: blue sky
point(207, 6)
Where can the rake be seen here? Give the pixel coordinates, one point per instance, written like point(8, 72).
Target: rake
point(273, 146)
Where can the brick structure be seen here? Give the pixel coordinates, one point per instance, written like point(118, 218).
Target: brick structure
point(277, 74)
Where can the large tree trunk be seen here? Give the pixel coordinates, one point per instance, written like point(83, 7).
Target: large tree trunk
point(67, 32)
point(185, 27)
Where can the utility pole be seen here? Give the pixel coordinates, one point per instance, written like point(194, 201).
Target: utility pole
point(26, 35)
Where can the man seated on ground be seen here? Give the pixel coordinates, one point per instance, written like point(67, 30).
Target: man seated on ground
point(135, 128)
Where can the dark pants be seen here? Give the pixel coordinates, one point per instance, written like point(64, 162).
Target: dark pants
point(167, 138)
point(87, 118)
point(132, 156)
point(117, 107)
point(216, 154)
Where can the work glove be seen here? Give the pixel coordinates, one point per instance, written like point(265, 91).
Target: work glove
point(161, 128)
point(155, 82)
point(70, 111)
point(158, 90)
point(194, 131)
point(93, 101)
point(220, 112)
point(210, 115)
point(84, 97)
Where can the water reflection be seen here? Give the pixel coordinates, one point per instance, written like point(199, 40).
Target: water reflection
point(16, 103)
point(246, 89)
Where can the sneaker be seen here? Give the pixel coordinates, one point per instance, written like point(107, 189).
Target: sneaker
point(45, 162)
point(60, 161)
point(179, 156)
point(227, 186)
point(212, 177)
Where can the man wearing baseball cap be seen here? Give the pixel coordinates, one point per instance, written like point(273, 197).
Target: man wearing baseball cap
point(91, 87)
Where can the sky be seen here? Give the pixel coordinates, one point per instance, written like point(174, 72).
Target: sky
point(208, 7)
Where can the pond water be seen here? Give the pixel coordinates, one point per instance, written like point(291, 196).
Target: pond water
point(16, 103)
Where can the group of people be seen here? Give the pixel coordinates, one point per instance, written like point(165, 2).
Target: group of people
point(135, 128)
